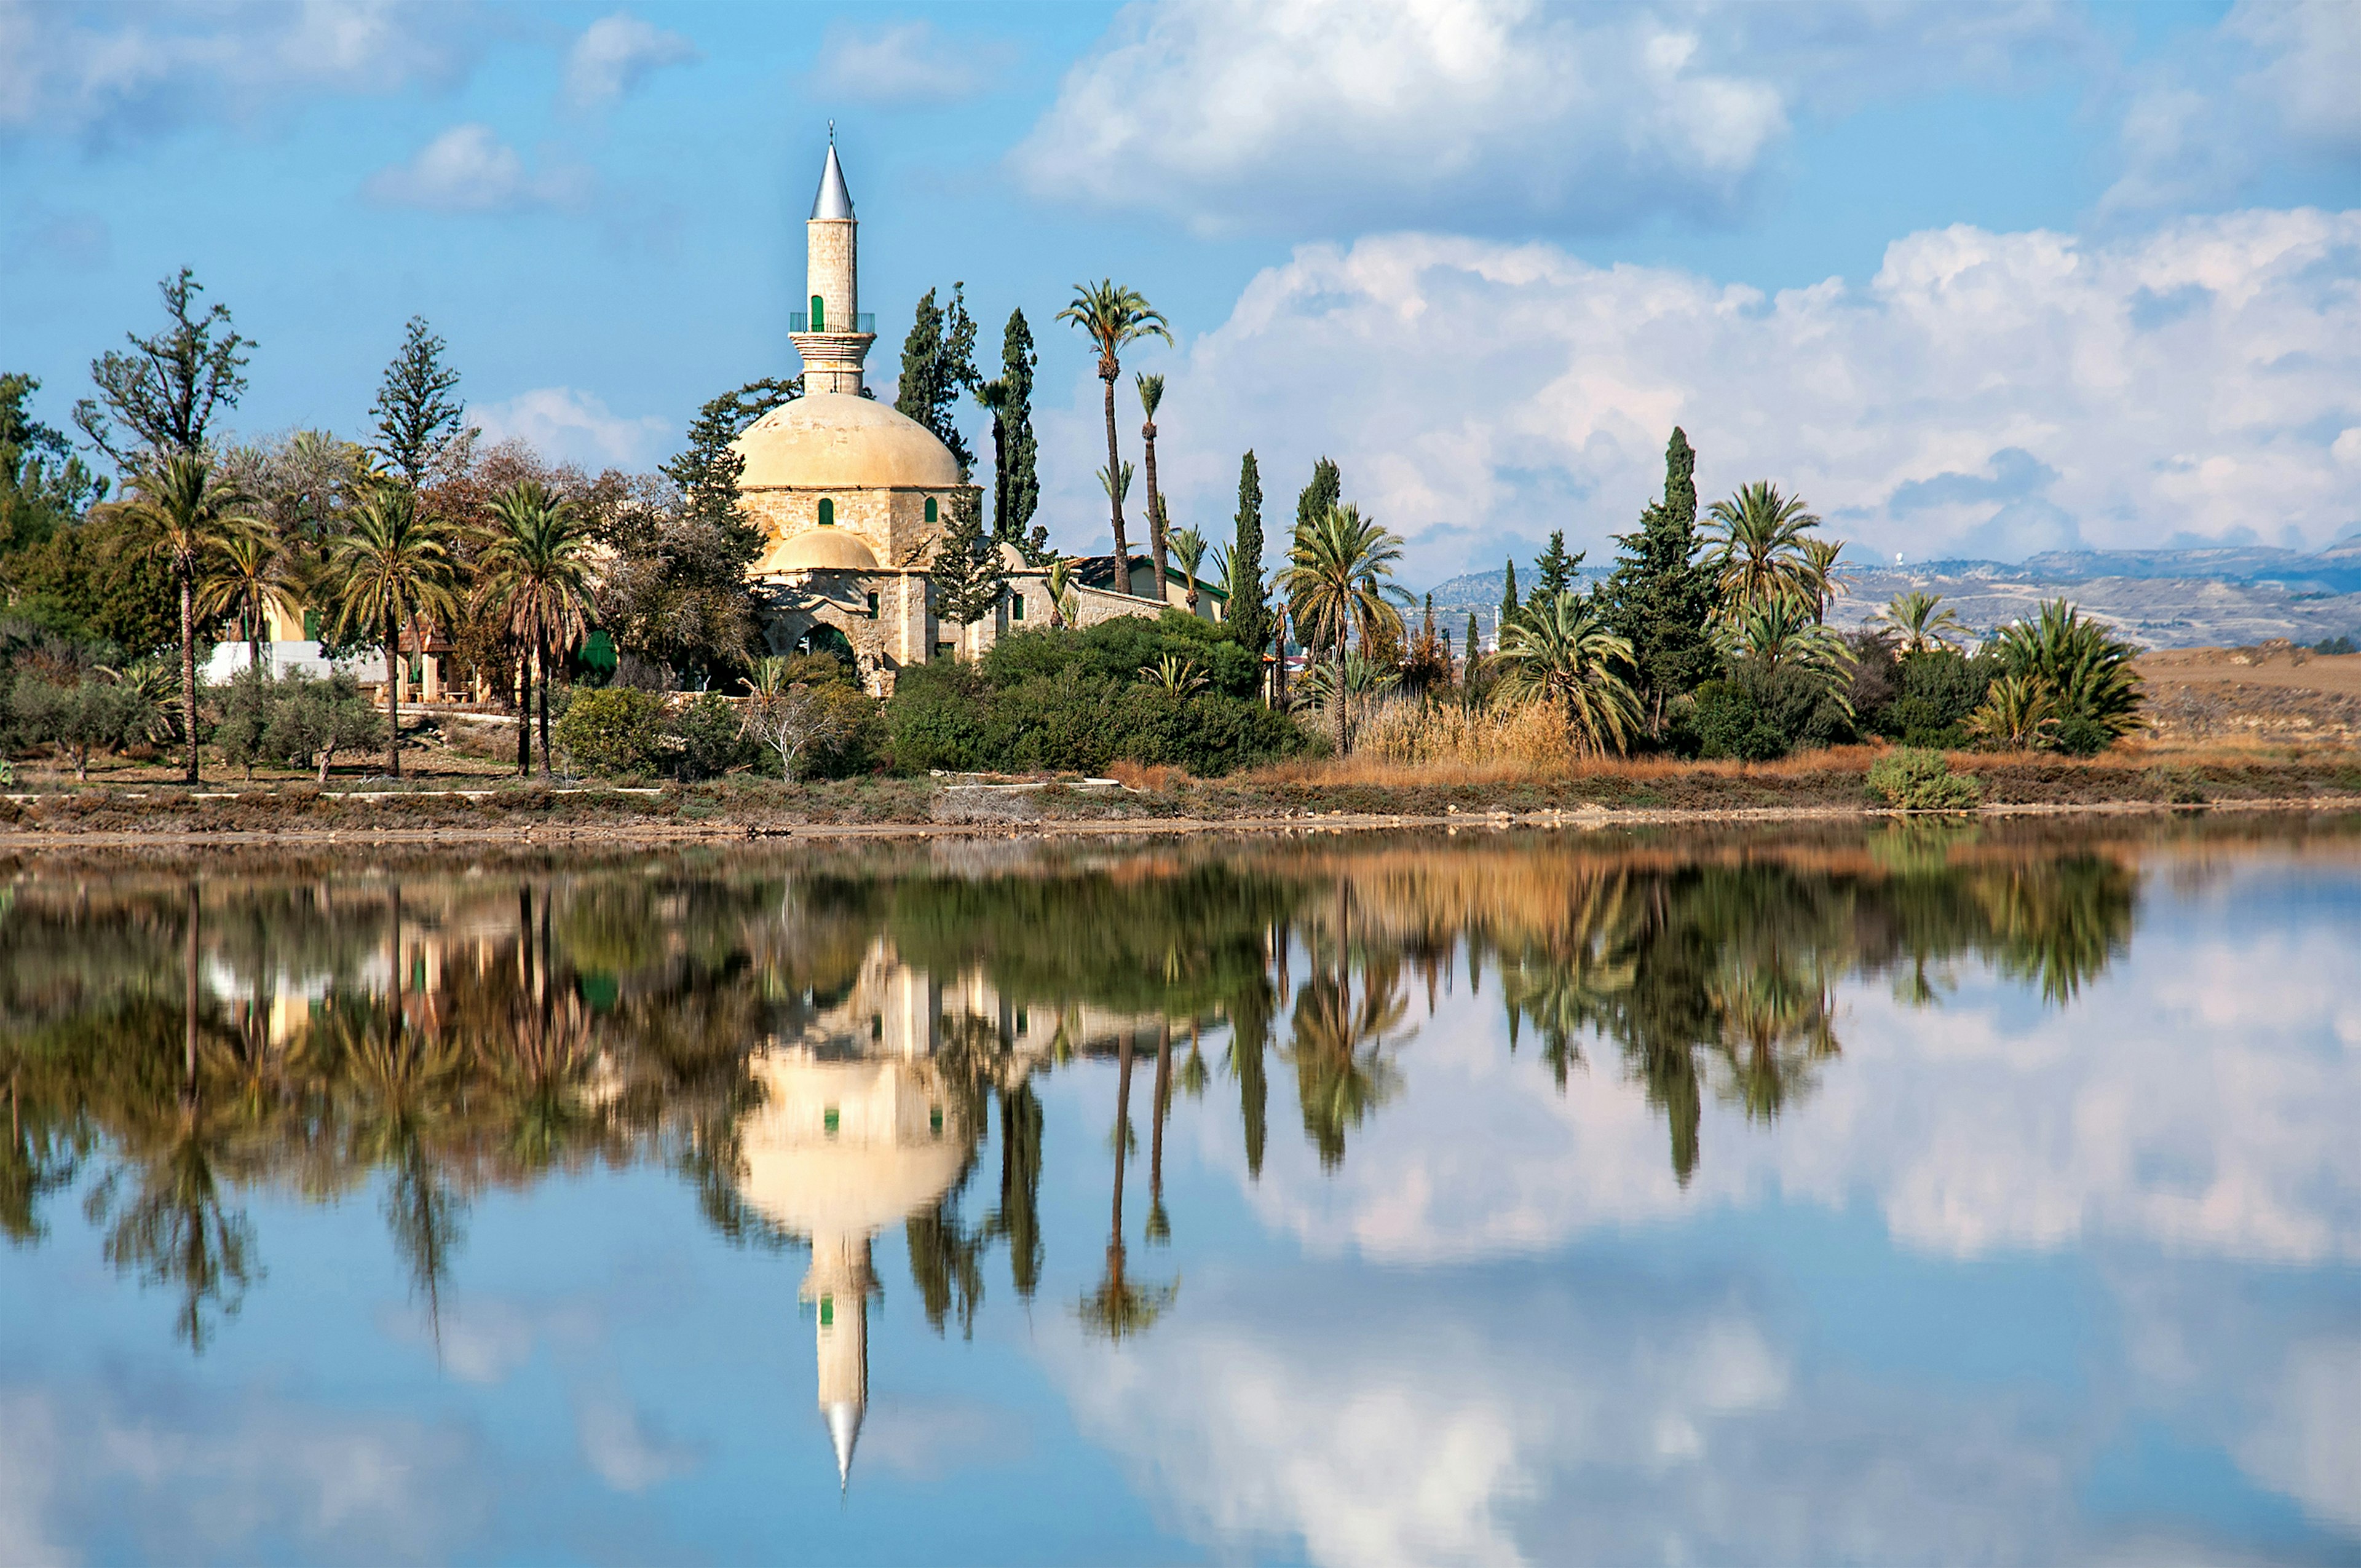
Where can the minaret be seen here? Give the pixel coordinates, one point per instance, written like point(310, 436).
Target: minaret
point(833, 342)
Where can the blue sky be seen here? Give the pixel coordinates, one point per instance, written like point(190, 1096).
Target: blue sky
point(2082, 275)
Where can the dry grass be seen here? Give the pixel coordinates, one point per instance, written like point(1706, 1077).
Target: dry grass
point(1142, 776)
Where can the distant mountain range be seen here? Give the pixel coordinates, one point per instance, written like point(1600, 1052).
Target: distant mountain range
point(2228, 596)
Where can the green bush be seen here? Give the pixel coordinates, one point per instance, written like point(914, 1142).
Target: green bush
point(1917, 780)
point(614, 731)
point(1725, 721)
point(2176, 786)
point(1939, 689)
point(705, 740)
point(311, 720)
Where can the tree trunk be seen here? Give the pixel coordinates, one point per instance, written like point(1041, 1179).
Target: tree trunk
point(254, 638)
point(541, 666)
point(392, 701)
point(1108, 371)
point(327, 754)
point(1279, 671)
point(999, 478)
point(525, 714)
point(1337, 697)
point(189, 1006)
point(189, 665)
point(1121, 1128)
point(1154, 512)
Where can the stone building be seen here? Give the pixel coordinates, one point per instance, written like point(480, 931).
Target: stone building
point(853, 497)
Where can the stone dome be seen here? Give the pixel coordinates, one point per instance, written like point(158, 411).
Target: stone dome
point(820, 550)
point(837, 441)
point(880, 1165)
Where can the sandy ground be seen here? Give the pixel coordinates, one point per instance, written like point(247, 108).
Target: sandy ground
point(2339, 673)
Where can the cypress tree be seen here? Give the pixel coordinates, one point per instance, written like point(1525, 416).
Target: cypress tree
point(937, 365)
point(1660, 596)
point(1248, 616)
point(1473, 644)
point(1022, 491)
point(1509, 609)
point(1326, 488)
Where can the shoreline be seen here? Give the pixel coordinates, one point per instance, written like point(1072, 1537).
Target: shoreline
point(1586, 817)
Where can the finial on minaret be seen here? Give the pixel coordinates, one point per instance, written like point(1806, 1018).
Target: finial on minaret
point(831, 133)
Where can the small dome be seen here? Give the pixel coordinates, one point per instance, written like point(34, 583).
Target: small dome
point(837, 441)
point(819, 550)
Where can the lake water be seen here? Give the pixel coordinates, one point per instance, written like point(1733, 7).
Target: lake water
point(1916, 1194)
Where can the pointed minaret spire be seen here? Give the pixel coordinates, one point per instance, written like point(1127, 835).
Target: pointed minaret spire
point(830, 334)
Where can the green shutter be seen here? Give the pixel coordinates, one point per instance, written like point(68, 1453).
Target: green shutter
point(311, 626)
point(827, 512)
point(932, 515)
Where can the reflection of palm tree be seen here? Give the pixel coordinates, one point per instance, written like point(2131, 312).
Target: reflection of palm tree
point(2059, 921)
point(1160, 1224)
point(1121, 1307)
point(36, 1163)
point(1342, 1048)
point(1018, 1218)
point(1774, 1025)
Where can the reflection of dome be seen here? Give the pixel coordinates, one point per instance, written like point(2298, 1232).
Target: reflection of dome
point(846, 1148)
point(818, 549)
point(839, 441)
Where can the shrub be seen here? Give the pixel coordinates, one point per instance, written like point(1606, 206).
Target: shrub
point(1917, 780)
point(1935, 692)
point(1724, 720)
point(705, 739)
point(2176, 786)
point(313, 720)
point(616, 730)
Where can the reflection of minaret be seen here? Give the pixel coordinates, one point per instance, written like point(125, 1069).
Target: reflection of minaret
point(837, 1284)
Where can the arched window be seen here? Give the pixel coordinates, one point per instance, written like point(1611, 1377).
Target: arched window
point(932, 515)
point(827, 512)
point(818, 314)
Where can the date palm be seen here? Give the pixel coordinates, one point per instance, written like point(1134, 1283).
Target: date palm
point(391, 569)
point(1189, 549)
point(186, 510)
point(1823, 577)
point(536, 579)
point(1756, 540)
point(247, 578)
point(1560, 651)
point(1152, 398)
point(1919, 624)
point(2085, 668)
point(1114, 317)
point(1337, 581)
point(1780, 633)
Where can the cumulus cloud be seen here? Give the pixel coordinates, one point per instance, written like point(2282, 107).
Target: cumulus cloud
point(572, 426)
point(902, 62)
point(2000, 392)
point(468, 168)
point(112, 73)
point(615, 54)
point(1304, 113)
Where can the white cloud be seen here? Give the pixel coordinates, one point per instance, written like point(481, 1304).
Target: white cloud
point(901, 63)
point(615, 54)
point(2272, 82)
point(625, 1449)
point(568, 425)
point(1988, 391)
point(1311, 112)
point(112, 73)
point(468, 168)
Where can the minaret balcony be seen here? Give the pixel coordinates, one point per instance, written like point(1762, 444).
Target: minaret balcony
point(863, 324)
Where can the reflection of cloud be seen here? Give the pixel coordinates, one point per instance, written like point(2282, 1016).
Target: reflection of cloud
point(2177, 1103)
point(930, 1438)
point(229, 1477)
point(629, 1453)
point(2309, 1445)
point(485, 1339)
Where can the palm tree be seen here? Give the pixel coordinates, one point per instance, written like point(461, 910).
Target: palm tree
point(1559, 651)
point(188, 512)
point(1823, 577)
point(1779, 632)
point(996, 399)
point(2086, 669)
point(1063, 604)
point(1919, 627)
point(1336, 583)
point(1189, 549)
point(1115, 317)
point(1152, 398)
point(1121, 1307)
point(536, 566)
point(1116, 483)
point(1759, 550)
point(393, 568)
point(247, 577)
point(2019, 712)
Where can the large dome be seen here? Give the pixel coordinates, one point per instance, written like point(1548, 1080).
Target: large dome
point(836, 441)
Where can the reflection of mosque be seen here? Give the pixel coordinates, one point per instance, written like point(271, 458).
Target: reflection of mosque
point(862, 1126)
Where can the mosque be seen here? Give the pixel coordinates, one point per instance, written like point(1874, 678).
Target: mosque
point(853, 497)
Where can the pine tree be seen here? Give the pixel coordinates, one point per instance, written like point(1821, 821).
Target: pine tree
point(1555, 569)
point(1248, 616)
point(161, 398)
point(937, 367)
point(1022, 492)
point(966, 575)
point(1510, 608)
point(1660, 596)
point(418, 421)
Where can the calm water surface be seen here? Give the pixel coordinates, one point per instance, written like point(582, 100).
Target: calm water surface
point(1926, 1194)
